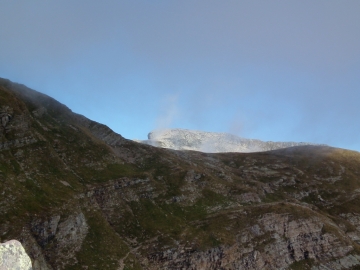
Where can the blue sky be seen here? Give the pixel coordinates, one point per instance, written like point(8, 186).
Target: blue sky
point(272, 70)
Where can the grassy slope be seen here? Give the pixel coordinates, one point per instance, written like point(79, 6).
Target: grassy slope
point(32, 183)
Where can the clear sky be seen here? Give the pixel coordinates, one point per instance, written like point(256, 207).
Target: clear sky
point(266, 69)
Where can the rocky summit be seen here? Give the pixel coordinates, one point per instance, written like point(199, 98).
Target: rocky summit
point(76, 195)
point(211, 142)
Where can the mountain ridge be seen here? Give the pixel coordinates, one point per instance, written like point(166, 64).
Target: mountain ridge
point(79, 196)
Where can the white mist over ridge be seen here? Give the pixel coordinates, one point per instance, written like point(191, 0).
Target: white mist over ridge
point(211, 142)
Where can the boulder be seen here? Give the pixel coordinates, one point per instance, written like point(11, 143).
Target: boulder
point(13, 256)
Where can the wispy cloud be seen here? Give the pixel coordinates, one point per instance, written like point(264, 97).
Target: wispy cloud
point(168, 112)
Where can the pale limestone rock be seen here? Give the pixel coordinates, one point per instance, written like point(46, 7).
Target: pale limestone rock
point(14, 257)
point(211, 142)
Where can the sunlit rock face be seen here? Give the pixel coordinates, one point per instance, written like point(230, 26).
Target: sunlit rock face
point(211, 142)
point(13, 256)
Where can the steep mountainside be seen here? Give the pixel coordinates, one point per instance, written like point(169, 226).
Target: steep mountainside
point(211, 142)
point(79, 196)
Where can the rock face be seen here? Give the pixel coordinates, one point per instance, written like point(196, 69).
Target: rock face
point(13, 256)
point(79, 196)
point(68, 233)
point(293, 240)
point(5, 116)
point(211, 142)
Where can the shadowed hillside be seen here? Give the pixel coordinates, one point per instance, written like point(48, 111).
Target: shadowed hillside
point(79, 196)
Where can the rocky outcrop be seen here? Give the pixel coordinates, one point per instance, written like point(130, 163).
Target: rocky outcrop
point(211, 142)
point(15, 127)
point(6, 113)
point(273, 242)
point(34, 250)
point(13, 256)
point(17, 143)
point(60, 238)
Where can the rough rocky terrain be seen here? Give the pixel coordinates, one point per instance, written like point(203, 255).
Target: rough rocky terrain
point(211, 142)
point(79, 196)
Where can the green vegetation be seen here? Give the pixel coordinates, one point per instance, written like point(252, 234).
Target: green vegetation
point(131, 263)
point(302, 265)
point(102, 247)
point(138, 199)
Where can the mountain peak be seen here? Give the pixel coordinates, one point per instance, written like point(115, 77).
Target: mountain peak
point(212, 142)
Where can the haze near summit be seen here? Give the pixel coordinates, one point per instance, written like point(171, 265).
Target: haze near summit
point(271, 70)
